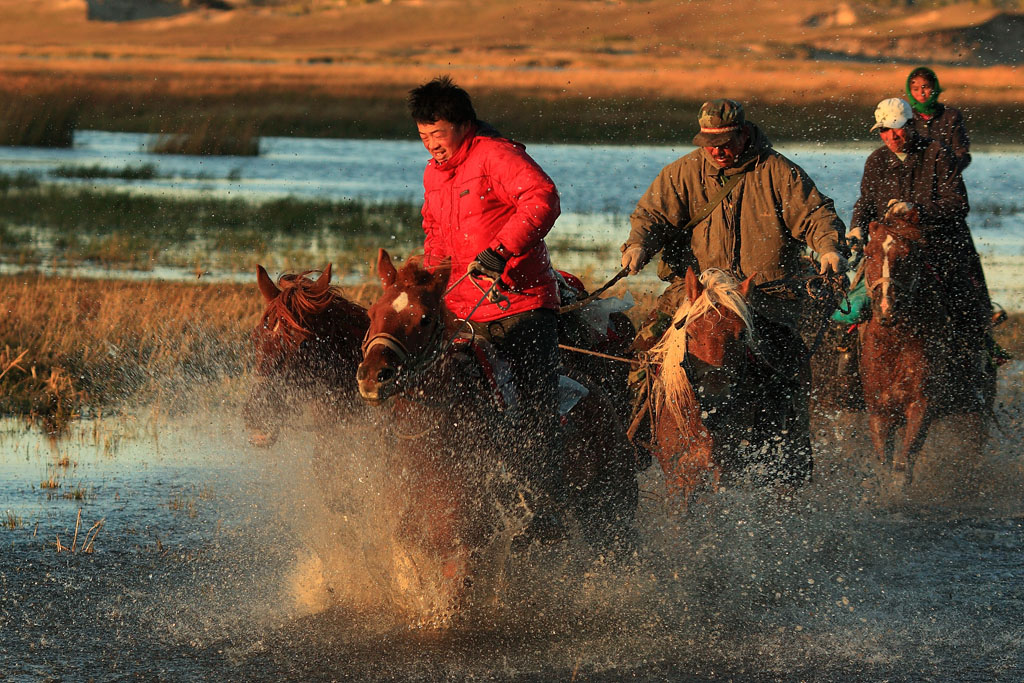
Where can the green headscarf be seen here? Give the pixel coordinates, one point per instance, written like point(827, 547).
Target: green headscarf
point(929, 107)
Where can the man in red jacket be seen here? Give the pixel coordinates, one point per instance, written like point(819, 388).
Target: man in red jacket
point(487, 207)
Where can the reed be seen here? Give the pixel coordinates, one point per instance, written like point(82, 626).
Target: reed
point(88, 540)
point(11, 521)
point(212, 136)
point(44, 120)
point(116, 228)
point(82, 345)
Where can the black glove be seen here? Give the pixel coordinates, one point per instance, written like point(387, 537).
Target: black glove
point(488, 263)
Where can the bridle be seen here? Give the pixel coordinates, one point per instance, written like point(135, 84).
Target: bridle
point(886, 281)
point(416, 365)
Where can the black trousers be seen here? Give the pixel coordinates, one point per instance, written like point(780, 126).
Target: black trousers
point(528, 342)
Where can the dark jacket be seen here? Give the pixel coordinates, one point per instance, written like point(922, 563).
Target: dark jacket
point(928, 178)
point(947, 127)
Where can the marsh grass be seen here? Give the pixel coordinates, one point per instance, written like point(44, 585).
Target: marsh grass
point(11, 521)
point(226, 114)
point(83, 345)
point(180, 503)
point(139, 172)
point(76, 493)
point(88, 540)
point(46, 120)
point(122, 229)
point(211, 136)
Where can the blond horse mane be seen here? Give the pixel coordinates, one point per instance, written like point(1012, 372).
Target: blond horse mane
point(672, 386)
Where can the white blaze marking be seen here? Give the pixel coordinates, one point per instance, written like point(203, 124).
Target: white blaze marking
point(400, 303)
point(885, 272)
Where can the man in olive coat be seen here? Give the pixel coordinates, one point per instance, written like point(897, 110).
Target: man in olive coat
point(760, 228)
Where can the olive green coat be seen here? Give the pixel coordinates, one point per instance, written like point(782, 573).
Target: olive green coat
point(759, 229)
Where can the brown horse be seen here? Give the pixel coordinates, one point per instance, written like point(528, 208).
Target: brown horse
point(306, 349)
point(444, 403)
point(719, 410)
point(912, 369)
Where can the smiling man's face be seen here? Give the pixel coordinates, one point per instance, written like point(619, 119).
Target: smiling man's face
point(442, 138)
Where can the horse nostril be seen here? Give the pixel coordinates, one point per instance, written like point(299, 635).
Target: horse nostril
point(385, 374)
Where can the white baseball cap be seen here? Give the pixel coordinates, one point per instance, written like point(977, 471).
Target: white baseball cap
point(892, 113)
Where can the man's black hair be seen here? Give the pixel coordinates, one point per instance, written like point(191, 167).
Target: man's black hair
point(441, 99)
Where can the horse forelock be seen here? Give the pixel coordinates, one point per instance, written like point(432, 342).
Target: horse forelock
point(672, 385)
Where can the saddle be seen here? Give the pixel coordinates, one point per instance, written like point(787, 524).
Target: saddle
point(479, 358)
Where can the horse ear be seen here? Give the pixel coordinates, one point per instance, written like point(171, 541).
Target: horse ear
point(693, 286)
point(322, 282)
point(385, 270)
point(745, 286)
point(267, 287)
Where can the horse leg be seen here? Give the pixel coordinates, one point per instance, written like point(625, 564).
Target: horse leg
point(913, 439)
point(600, 471)
point(882, 431)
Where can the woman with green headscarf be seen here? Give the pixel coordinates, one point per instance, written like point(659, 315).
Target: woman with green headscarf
point(935, 120)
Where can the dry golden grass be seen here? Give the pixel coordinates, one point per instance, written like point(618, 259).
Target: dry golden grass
point(88, 540)
point(82, 343)
point(218, 136)
point(41, 121)
point(11, 521)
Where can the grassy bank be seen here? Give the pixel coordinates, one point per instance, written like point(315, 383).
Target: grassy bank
point(71, 225)
point(77, 347)
point(74, 347)
point(530, 116)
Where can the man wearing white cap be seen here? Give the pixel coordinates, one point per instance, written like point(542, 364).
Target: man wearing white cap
point(910, 175)
point(736, 204)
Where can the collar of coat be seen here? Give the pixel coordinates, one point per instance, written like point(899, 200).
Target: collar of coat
point(915, 146)
point(480, 129)
point(758, 148)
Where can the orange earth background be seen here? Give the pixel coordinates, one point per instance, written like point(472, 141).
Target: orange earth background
point(796, 53)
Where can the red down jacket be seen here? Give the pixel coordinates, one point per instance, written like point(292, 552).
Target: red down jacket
point(490, 193)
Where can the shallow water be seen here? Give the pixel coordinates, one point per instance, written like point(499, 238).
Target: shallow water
point(216, 561)
point(599, 186)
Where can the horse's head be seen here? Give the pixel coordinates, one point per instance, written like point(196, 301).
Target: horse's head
point(285, 323)
point(705, 348)
point(308, 335)
point(406, 326)
point(893, 267)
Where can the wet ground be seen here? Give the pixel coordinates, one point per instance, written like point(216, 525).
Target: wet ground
point(215, 561)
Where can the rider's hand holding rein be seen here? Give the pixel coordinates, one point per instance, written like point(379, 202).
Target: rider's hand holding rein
point(855, 238)
point(899, 208)
point(833, 262)
point(488, 263)
point(634, 257)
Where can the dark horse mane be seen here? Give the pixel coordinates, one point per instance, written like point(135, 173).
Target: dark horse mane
point(307, 321)
point(308, 339)
point(301, 303)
